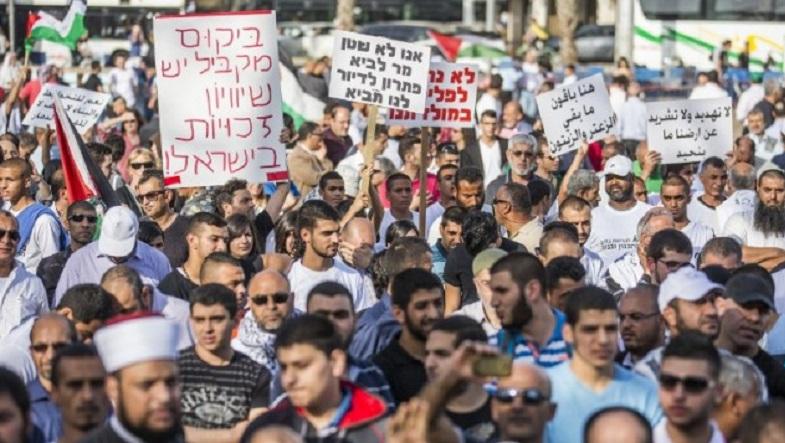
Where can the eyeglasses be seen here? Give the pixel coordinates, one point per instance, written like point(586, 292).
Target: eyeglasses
point(527, 154)
point(145, 165)
point(40, 348)
point(531, 396)
point(637, 316)
point(79, 218)
point(278, 298)
point(692, 385)
point(152, 195)
point(11, 233)
point(674, 265)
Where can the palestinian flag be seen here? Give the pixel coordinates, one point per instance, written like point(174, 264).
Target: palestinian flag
point(300, 105)
point(454, 47)
point(43, 26)
point(83, 178)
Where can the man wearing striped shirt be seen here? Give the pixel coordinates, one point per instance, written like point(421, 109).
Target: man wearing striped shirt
point(531, 328)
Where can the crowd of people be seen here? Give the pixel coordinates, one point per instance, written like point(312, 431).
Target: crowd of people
point(596, 296)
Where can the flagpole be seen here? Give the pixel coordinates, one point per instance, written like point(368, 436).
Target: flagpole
point(12, 24)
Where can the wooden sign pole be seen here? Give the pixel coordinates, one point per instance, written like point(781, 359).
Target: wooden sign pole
point(424, 147)
point(367, 151)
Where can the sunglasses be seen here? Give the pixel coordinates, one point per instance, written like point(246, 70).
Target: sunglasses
point(527, 154)
point(146, 165)
point(692, 385)
point(263, 299)
point(40, 348)
point(531, 396)
point(152, 195)
point(12, 234)
point(79, 218)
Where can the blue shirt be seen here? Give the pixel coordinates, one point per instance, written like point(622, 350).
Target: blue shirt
point(375, 330)
point(87, 265)
point(575, 402)
point(43, 413)
point(439, 259)
point(368, 376)
point(516, 346)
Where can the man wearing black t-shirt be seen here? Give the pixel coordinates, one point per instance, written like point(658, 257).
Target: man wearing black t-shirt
point(222, 390)
point(154, 200)
point(417, 304)
point(235, 198)
point(207, 233)
point(469, 407)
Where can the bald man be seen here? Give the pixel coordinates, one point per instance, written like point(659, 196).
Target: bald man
point(271, 302)
point(521, 404)
point(741, 193)
point(50, 332)
point(356, 248)
point(617, 425)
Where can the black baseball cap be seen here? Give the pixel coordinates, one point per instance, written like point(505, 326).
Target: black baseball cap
point(745, 288)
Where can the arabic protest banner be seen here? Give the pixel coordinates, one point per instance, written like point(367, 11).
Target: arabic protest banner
point(687, 131)
point(379, 71)
point(219, 98)
point(82, 106)
point(452, 94)
point(576, 112)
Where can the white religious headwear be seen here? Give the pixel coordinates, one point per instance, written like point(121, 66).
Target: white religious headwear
point(136, 338)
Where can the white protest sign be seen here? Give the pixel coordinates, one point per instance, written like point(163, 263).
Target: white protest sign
point(687, 131)
point(452, 95)
point(219, 98)
point(82, 106)
point(576, 112)
point(379, 71)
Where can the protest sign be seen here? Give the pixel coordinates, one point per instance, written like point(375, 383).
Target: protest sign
point(687, 131)
point(577, 112)
point(219, 98)
point(452, 94)
point(379, 71)
point(82, 106)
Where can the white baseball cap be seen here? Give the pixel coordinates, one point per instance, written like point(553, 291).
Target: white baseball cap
point(686, 283)
point(618, 165)
point(118, 232)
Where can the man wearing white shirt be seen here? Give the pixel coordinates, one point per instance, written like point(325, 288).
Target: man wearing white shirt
point(399, 192)
point(318, 234)
point(766, 146)
point(488, 152)
point(614, 222)
point(490, 100)
point(675, 196)
point(708, 87)
point(713, 176)
point(632, 120)
point(469, 194)
point(577, 212)
point(748, 99)
point(741, 187)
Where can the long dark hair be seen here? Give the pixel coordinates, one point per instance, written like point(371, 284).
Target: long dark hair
point(285, 225)
point(236, 224)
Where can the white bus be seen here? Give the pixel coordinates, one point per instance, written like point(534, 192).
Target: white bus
point(687, 32)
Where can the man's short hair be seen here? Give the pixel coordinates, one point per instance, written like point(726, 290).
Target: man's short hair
point(488, 113)
point(151, 174)
point(463, 327)
point(690, 345)
point(443, 168)
point(406, 145)
point(18, 163)
point(479, 231)
point(205, 218)
point(520, 199)
point(81, 204)
point(394, 177)
point(563, 267)
point(575, 203)
point(88, 302)
point(762, 421)
point(538, 190)
point(214, 294)
point(330, 289)
point(306, 129)
point(740, 375)
point(312, 211)
point(309, 329)
point(327, 176)
point(721, 246)
point(643, 223)
point(714, 162)
point(453, 214)
point(404, 253)
point(639, 418)
point(408, 282)
point(73, 350)
point(581, 180)
point(668, 240)
point(586, 299)
point(217, 258)
point(127, 275)
point(13, 386)
point(523, 268)
point(557, 231)
point(776, 173)
point(742, 181)
point(469, 174)
point(676, 180)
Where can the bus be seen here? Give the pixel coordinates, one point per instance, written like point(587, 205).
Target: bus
point(673, 33)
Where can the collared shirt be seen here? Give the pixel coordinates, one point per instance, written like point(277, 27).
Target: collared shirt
point(375, 329)
point(740, 201)
point(661, 433)
point(555, 351)
point(43, 413)
point(368, 376)
point(22, 295)
point(87, 265)
point(529, 234)
point(633, 119)
point(476, 312)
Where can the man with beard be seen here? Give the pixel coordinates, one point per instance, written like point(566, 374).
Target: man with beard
point(675, 196)
point(686, 302)
point(317, 234)
point(614, 222)
point(668, 251)
point(79, 391)
point(139, 352)
point(512, 207)
point(577, 212)
point(762, 232)
point(520, 157)
point(640, 323)
point(469, 195)
point(591, 379)
point(450, 229)
point(531, 329)
point(271, 304)
point(689, 391)
point(745, 310)
point(713, 176)
point(334, 302)
point(417, 303)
